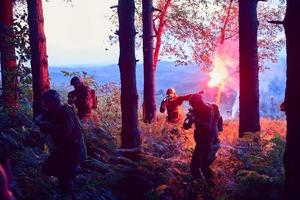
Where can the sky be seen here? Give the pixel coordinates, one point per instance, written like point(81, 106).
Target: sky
point(77, 33)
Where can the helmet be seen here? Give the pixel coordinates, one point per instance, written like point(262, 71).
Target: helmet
point(195, 100)
point(171, 91)
point(51, 95)
point(76, 81)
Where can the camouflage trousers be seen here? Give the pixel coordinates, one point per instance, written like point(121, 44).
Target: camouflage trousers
point(203, 156)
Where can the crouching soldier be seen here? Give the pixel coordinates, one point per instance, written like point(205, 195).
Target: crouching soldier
point(61, 122)
point(205, 135)
point(82, 97)
point(171, 103)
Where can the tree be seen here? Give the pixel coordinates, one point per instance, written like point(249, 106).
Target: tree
point(292, 98)
point(130, 135)
point(149, 106)
point(39, 60)
point(9, 70)
point(249, 83)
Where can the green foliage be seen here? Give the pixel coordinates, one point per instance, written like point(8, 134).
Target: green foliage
point(263, 174)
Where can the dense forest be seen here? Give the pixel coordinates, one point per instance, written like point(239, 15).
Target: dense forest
point(111, 141)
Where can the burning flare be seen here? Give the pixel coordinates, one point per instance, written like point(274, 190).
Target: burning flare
point(225, 62)
point(219, 73)
point(218, 76)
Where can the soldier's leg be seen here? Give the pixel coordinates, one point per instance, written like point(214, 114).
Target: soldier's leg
point(206, 160)
point(207, 173)
point(195, 163)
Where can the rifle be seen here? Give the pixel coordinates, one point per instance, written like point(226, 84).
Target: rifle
point(189, 120)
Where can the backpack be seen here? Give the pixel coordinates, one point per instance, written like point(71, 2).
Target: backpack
point(217, 116)
point(94, 99)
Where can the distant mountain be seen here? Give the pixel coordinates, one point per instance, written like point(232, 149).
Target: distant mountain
point(188, 79)
point(183, 78)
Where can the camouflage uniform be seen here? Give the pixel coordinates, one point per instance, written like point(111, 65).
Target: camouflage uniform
point(172, 107)
point(206, 138)
point(67, 135)
point(83, 101)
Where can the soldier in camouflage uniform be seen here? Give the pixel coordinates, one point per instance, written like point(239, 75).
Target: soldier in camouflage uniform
point(205, 135)
point(171, 103)
point(61, 122)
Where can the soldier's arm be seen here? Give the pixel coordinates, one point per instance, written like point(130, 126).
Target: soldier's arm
point(181, 99)
point(186, 97)
point(163, 105)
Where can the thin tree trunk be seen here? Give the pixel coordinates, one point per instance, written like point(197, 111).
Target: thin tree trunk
point(149, 106)
point(8, 58)
point(249, 82)
point(292, 99)
point(159, 31)
point(130, 135)
point(39, 60)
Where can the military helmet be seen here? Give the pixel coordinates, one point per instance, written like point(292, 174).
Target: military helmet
point(171, 91)
point(196, 99)
point(51, 95)
point(76, 81)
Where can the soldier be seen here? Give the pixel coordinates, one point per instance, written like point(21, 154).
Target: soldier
point(205, 135)
point(81, 96)
point(171, 103)
point(61, 122)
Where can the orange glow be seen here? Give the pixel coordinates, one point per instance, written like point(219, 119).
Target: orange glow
point(219, 73)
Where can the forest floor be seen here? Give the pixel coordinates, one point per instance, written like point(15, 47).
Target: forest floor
point(247, 168)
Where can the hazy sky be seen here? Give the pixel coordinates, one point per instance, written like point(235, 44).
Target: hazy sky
point(77, 32)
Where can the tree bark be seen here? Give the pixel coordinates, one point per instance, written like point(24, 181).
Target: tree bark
point(292, 99)
point(249, 82)
point(39, 60)
point(130, 135)
point(9, 71)
point(149, 106)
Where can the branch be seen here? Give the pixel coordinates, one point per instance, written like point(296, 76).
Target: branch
point(262, 0)
point(276, 22)
point(112, 7)
point(156, 9)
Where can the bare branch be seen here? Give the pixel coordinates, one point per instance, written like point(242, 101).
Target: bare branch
point(112, 7)
point(156, 9)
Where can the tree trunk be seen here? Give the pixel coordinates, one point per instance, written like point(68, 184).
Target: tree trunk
point(130, 135)
point(149, 106)
point(9, 71)
point(160, 30)
point(292, 99)
point(39, 60)
point(249, 82)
